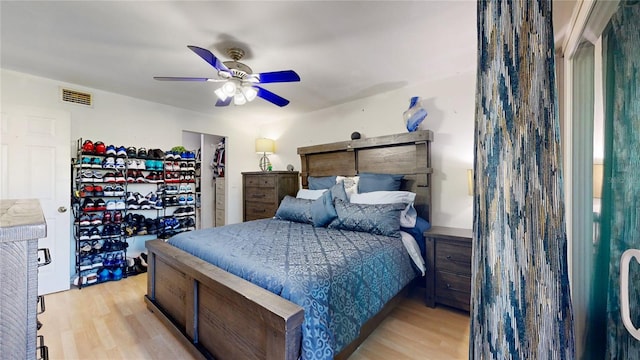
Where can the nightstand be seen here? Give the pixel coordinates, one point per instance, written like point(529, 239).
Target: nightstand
point(448, 260)
point(263, 191)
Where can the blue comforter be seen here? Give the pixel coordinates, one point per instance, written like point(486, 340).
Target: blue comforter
point(341, 278)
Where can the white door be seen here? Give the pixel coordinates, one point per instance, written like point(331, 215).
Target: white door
point(36, 165)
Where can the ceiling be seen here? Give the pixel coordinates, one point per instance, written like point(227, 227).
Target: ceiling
point(342, 50)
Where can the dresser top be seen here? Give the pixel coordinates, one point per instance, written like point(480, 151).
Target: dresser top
point(449, 232)
point(21, 220)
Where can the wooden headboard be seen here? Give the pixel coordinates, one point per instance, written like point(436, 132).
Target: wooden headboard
point(408, 154)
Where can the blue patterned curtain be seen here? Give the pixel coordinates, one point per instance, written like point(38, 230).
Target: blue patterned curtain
point(521, 306)
point(608, 339)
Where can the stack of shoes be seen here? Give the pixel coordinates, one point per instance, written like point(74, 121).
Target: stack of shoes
point(137, 265)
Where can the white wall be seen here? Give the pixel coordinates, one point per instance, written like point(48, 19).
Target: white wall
point(127, 121)
point(450, 103)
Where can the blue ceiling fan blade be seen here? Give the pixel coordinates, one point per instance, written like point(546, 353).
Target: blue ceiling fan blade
point(278, 76)
point(209, 57)
point(271, 97)
point(225, 102)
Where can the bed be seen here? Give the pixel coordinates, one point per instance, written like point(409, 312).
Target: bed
point(221, 315)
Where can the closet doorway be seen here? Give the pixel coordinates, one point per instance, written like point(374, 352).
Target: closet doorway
point(210, 199)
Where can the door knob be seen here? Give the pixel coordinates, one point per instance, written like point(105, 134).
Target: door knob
point(62, 209)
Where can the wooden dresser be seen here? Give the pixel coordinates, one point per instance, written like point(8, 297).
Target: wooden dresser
point(263, 191)
point(448, 258)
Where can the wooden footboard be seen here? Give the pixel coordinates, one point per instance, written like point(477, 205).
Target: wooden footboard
point(221, 315)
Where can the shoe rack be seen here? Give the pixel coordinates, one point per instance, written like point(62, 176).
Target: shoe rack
point(120, 193)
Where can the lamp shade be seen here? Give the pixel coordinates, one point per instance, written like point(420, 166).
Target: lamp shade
point(265, 146)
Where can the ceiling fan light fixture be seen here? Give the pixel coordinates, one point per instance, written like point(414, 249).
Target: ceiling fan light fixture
point(220, 94)
point(229, 88)
point(249, 92)
point(239, 99)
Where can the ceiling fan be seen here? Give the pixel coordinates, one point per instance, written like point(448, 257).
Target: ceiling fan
point(240, 83)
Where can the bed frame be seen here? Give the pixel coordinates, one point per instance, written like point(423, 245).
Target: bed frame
point(219, 315)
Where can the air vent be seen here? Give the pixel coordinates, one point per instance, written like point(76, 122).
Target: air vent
point(76, 97)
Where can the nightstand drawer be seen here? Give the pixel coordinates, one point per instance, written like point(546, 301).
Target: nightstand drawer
point(453, 258)
point(259, 181)
point(260, 194)
point(258, 210)
point(453, 290)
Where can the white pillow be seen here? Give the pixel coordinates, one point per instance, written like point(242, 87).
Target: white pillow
point(310, 194)
point(407, 215)
point(414, 251)
point(350, 184)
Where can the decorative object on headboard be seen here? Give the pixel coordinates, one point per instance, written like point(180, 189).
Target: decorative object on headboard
point(414, 115)
point(408, 154)
point(265, 146)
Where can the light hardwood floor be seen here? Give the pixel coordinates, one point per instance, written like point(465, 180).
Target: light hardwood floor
point(111, 321)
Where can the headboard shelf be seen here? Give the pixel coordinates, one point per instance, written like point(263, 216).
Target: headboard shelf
point(408, 154)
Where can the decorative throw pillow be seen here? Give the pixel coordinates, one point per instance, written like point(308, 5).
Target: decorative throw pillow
point(322, 210)
point(293, 209)
point(379, 182)
point(350, 184)
point(319, 183)
point(337, 192)
point(309, 194)
point(381, 219)
point(408, 214)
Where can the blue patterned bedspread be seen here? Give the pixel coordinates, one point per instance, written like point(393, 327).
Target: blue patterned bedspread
point(341, 278)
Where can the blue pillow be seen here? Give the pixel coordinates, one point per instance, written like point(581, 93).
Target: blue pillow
point(292, 209)
point(379, 182)
point(338, 192)
point(380, 219)
point(322, 210)
point(319, 183)
point(417, 232)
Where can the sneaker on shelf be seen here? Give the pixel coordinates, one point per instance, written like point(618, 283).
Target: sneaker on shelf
point(190, 224)
point(182, 200)
point(149, 164)
point(94, 233)
point(107, 218)
point(85, 162)
point(100, 148)
point(111, 150)
point(88, 205)
point(140, 164)
point(108, 190)
point(96, 261)
point(98, 176)
point(120, 205)
point(190, 199)
point(117, 216)
point(121, 151)
point(131, 176)
point(98, 191)
point(109, 163)
point(132, 164)
point(96, 245)
point(95, 219)
point(118, 190)
point(190, 210)
point(109, 260)
point(111, 205)
point(131, 152)
point(110, 177)
point(96, 163)
point(183, 189)
point(86, 176)
point(120, 179)
point(142, 153)
point(140, 177)
point(88, 147)
point(158, 205)
point(85, 248)
point(179, 212)
point(84, 220)
point(169, 155)
point(120, 164)
point(132, 202)
point(100, 205)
